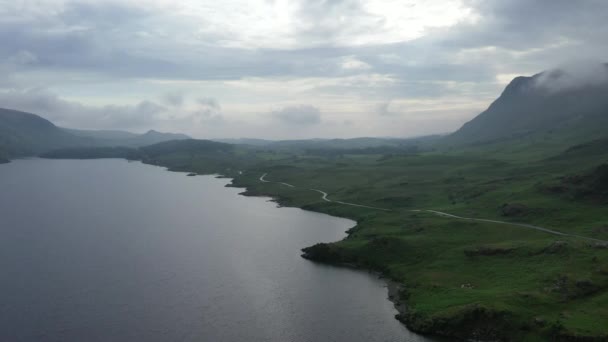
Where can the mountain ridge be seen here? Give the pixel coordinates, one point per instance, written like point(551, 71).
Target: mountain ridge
point(547, 102)
point(24, 134)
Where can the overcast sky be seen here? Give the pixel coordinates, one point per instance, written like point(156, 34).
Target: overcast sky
point(283, 69)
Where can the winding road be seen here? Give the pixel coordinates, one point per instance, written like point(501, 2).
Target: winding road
point(442, 214)
point(525, 225)
point(325, 194)
point(345, 203)
point(266, 181)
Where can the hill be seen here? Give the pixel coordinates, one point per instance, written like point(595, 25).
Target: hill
point(177, 155)
point(190, 146)
point(204, 156)
point(153, 137)
point(245, 141)
point(102, 135)
point(352, 143)
point(556, 102)
point(124, 138)
point(25, 134)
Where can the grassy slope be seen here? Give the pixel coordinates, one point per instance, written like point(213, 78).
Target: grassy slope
point(539, 287)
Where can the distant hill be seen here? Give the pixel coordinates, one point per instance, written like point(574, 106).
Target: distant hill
point(93, 153)
point(184, 155)
point(189, 146)
point(124, 138)
point(153, 137)
point(186, 147)
point(26, 134)
point(104, 135)
point(554, 102)
point(344, 144)
point(363, 142)
point(245, 141)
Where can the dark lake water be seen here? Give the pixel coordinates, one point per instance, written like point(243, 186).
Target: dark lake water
point(107, 250)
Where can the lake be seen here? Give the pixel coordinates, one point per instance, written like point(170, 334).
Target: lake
point(110, 250)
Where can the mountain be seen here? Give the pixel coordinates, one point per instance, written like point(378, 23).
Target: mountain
point(557, 102)
point(26, 134)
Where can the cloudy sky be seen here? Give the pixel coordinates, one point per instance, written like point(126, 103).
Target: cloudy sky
point(283, 69)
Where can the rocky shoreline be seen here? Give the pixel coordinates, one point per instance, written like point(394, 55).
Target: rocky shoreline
point(395, 290)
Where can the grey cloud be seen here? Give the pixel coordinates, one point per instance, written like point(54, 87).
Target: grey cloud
point(75, 114)
point(84, 37)
point(174, 99)
point(209, 102)
point(209, 111)
point(332, 20)
point(520, 24)
point(298, 115)
point(105, 38)
point(206, 116)
point(23, 58)
point(517, 35)
point(142, 116)
point(384, 109)
point(106, 15)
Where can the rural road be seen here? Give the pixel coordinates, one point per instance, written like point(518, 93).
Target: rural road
point(264, 180)
point(524, 225)
point(446, 215)
point(345, 203)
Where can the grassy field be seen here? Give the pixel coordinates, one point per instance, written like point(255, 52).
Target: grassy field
point(462, 278)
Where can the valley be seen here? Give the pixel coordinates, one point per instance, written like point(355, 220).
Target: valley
point(492, 239)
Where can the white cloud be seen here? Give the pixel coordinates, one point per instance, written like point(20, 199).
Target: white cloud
point(577, 74)
point(352, 63)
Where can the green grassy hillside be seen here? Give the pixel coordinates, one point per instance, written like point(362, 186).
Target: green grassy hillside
point(466, 278)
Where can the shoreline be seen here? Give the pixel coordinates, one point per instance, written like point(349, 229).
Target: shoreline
point(393, 287)
point(475, 321)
